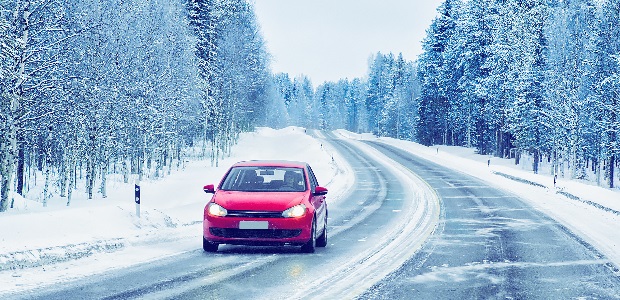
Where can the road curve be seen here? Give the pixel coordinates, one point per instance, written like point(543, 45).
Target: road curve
point(491, 245)
point(393, 236)
point(372, 231)
point(410, 222)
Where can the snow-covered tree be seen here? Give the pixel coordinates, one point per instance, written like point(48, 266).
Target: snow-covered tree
point(303, 106)
point(232, 64)
point(89, 85)
point(569, 32)
point(528, 123)
point(436, 73)
point(34, 31)
point(470, 51)
point(603, 102)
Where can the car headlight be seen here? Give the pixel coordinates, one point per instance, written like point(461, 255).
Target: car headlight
point(216, 210)
point(296, 211)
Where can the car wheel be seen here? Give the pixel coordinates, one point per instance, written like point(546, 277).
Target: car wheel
point(321, 241)
point(311, 244)
point(208, 246)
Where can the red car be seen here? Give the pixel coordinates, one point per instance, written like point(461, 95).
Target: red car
point(266, 203)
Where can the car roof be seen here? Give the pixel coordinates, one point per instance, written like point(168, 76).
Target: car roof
point(271, 163)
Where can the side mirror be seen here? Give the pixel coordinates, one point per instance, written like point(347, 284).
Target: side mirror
point(320, 191)
point(209, 189)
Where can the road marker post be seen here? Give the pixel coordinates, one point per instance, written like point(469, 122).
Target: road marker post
point(137, 197)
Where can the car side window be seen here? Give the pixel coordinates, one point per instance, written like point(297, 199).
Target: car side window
point(313, 182)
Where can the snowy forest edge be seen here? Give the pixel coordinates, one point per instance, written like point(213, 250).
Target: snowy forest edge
point(93, 90)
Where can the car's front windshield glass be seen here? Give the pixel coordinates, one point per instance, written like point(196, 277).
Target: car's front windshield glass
point(265, 179)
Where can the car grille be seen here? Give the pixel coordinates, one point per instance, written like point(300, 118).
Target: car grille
point(255, 233)
point(254, 214)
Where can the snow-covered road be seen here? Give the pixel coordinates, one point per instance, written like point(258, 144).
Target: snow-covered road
point(103, 236)
point(491, 244)
point(381, 221)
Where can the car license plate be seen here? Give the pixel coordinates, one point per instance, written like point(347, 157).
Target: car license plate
point(253, 225)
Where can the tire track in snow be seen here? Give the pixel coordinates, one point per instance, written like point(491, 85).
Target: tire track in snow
point(420, 217)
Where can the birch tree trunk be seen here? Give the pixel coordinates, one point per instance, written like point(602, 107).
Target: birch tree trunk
point(62, 173)
point(9, 153)
point(125, 170)
point(103, 189)
point(612, 165)
point(8, 165)
point(72, 174)
point(46, 192)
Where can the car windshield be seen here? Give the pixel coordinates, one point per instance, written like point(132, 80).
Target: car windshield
point(265, 179)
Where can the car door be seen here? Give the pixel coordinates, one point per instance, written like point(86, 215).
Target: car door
point(317, 201)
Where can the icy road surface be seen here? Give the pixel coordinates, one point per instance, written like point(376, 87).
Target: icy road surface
point(491, 245)
point(392, 235)
point(383, 220)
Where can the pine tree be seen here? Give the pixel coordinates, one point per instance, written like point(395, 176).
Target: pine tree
point(569, 32)
point(436, 74)
point(604, 104)
point(527, 123)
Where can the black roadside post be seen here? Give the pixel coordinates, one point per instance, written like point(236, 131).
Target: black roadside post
point(137, 197)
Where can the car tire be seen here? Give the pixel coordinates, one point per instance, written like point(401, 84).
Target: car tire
point(310, 246)
point(208, 246)
point(321, 241)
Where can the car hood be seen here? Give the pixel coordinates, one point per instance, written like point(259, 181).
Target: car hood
point(260, 201)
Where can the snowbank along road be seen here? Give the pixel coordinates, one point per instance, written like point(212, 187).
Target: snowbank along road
point(491, 245)
point(406, 228)
point(381, 221)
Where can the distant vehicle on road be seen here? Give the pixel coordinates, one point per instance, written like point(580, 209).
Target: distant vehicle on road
point(266, 203)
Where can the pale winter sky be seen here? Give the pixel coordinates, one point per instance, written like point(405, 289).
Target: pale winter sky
point(332, 39)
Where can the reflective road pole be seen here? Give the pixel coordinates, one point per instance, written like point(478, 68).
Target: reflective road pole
point(137, 197)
